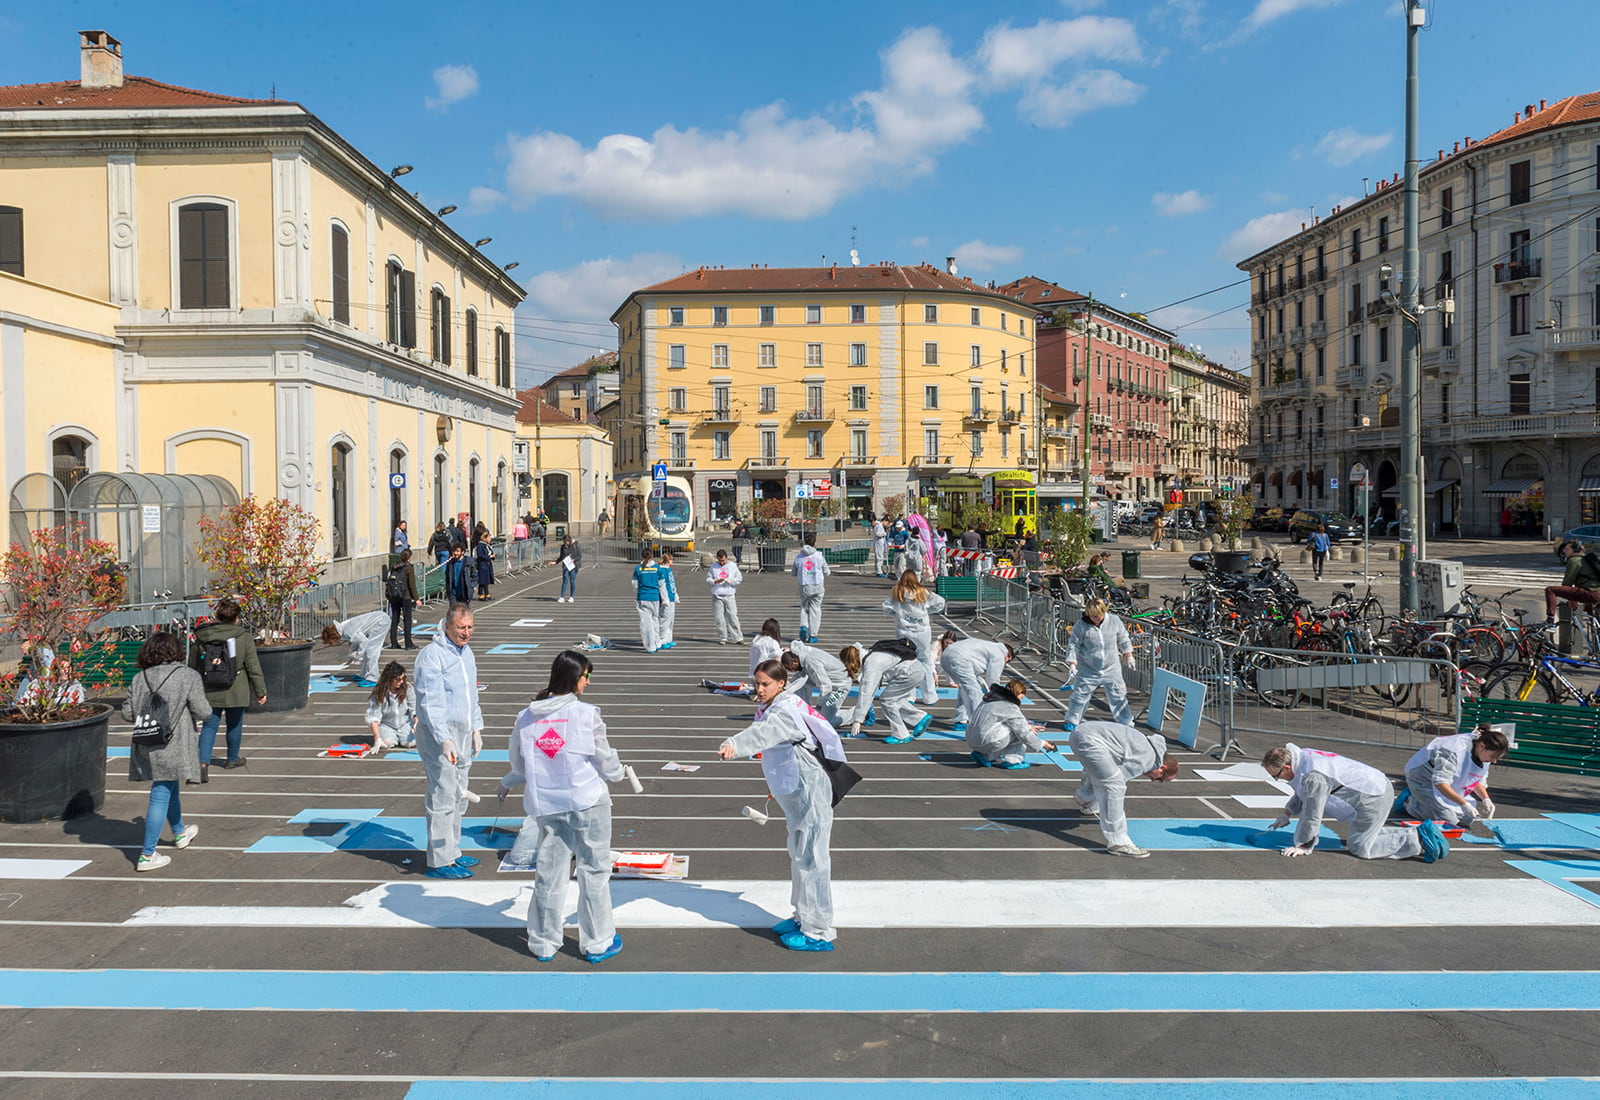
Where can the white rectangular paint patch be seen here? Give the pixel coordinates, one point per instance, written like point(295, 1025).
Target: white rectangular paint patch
point(40, 868)
point(1260, 801)
point(532, 622)
point(1021, 903)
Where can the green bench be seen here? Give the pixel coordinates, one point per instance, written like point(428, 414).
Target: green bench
point(1550, 737)
point(956, 588)
point(854, 556)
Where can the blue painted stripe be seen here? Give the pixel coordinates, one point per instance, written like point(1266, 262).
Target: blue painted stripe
point(616, 991)
point(1011, 1088)
point(118, 753)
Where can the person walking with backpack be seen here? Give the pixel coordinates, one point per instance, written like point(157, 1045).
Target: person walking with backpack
point(167, 696)
point(401, 592)
point(669, 600)
point(225, 656)
point(788, 740)
point(811, 570)
point(365, 633)
point(439, 545)
point(1319, 543)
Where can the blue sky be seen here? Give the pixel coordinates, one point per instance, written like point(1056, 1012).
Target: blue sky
point(1138, 150)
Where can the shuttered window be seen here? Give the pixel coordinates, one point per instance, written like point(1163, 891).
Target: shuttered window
point(502, 358)
point(439, 321)
point(203, 256)
point(472, 342)
point(11, 239)
point(402, 305)
point(339, 258)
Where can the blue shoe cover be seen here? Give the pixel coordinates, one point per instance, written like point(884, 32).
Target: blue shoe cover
point(922, 724)
point(979, 759)
point(1069, 726)
point(959, 727)
point(466, 861)
point(872, 717)
point(893, 739)
point(1434, 845)
point(616, 946)
point(784, 927)
point(366, 683)
point(452, 871)
point(1013, 765)
point(799, 941)
point(1399, 807)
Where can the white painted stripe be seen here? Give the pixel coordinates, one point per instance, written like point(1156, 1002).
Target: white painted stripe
point(1005, 903)
point(40, 868)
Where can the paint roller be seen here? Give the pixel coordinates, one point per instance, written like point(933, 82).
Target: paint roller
point(760, 817)
point(633, 779)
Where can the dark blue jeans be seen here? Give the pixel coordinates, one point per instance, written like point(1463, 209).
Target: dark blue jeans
point(208, 732)
point(569, 582)
point(163, 810)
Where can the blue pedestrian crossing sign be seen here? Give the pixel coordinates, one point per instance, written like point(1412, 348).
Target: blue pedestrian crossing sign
point(658, 472)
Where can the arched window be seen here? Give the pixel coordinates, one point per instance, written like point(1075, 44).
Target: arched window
point(397, 494)
point(339, 494)
point(472, 343)
point(441, 477)
point(555, 500)
point(69, 459)
point(339, 262)
point(439, 325)
point(203, 264)
point(11, 239)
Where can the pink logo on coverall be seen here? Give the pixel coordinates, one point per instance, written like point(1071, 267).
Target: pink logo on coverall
point(550, 742)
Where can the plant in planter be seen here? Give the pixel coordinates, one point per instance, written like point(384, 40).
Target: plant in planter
point(893, 506)
point(1067, 536)
point(1232, 517)
point(772, 515)
point(263, 552)
point(53, 740)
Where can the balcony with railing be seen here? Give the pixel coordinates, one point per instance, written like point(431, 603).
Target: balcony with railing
point(1573, 339)
point(813, 415)
point(1522, 271)
point(932, 462)
point(850, 460)
point(1277, 342)
point(720, 414)
point(1286, 390)
point(1100, 420)
point(1297, 335)
point(679, 462)
point(767, 462)
point(1319, 330)
point(1166, 469)
point(1352, 377)
point(1441, 360)
point(1353, 316)
point(978, 416)
point(1119, 467)
point(1379, 307)
point(1057, 431)
point(1028, 460)
point(1011, 416)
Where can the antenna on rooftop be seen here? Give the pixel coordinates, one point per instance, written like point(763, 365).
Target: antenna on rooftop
point(855, 249)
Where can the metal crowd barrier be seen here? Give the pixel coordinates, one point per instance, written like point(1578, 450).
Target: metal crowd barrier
point(1203, 660)
point(1031, 618)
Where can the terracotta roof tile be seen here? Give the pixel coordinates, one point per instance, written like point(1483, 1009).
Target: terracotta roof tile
point(136, 92)
point(530, 414)
point(1039, 292)
point(1563, 112)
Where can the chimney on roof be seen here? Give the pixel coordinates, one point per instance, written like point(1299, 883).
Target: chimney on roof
point(950, 264)
point(1529, 112)
point(1541, 104)
point(99, 60)
point(1516, 117)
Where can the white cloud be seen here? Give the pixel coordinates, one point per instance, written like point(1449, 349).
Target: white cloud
point(769, 165)
point(1184, 202)
point(455, 83)
point(917, 242)
point(1059, 104)
point(481, 200)
point(1344, 145)
point(581, 299)
point(1258, 233)
point(977, 256)
point(1266, 11)
point(1015, 55)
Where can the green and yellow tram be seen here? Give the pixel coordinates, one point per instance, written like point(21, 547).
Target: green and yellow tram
point(1013, 495)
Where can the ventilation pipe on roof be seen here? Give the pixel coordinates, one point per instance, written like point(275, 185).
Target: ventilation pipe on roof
point(99, 60)
point(950, 264)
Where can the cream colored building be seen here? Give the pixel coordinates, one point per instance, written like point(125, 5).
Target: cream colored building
point(238, 291)
point(1209, 426)
point(563, 464)
point(881, 380)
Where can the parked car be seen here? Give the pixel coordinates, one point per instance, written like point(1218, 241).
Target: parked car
point(1341, 528)
point(1268, 519)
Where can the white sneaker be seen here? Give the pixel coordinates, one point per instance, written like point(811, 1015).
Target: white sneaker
point(1085, 807)
point(186, 838)
point(1128, 850)
point(152, 862)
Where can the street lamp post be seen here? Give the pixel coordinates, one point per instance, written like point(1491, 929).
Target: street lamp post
point(1411, 500)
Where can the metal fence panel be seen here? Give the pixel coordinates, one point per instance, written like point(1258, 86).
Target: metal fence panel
point(1203, 660)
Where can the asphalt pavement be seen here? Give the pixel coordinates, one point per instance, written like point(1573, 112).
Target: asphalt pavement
point(987, 943)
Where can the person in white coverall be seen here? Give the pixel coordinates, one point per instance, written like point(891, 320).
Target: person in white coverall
point(810, 571)
point(913, 607)
point(1111, 754)
point(449, 735)
point(899, 677)
point(784, 734)
point(724, 578)
point(1097, 644)
point(974, 664)
point(827, 674)
point(1000, 734)
point(1326, 784)
point(1448, 775)
point(766, 645)
point(560, 756)
point(366, 635)
point(880, 548)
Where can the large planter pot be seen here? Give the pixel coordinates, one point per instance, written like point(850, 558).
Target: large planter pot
point(1232, 561)
point(775, 558)
point(53, 770)
point(287, 670)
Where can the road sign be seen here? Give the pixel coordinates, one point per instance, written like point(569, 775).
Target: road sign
point(397, 481)
point(658, 472)
point(1333, 483)
point(822, 489)
point(801, 492)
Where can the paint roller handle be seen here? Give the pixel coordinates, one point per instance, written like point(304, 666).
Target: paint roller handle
point(1279, 822)
point(633, 780)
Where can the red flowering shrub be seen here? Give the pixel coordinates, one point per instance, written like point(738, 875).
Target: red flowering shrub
point(263, 552)
point(58, 588)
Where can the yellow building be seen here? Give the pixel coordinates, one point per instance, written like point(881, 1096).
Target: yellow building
point(563, 464)
point(879, 380)
point(240, 292)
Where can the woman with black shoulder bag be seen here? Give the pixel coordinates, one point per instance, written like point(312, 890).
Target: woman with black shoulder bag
point(166, 703)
